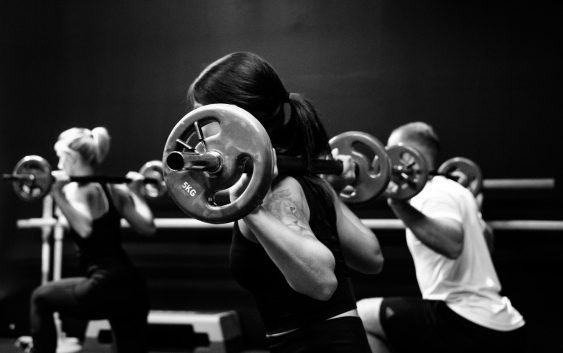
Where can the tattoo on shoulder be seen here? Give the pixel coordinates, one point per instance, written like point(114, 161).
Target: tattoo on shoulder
point(284, 207)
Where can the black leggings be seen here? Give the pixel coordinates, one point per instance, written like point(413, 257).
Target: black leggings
point(92, 298)
point(340, 335)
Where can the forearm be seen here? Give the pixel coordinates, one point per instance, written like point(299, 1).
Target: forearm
point(306, 263)
point(444, 236)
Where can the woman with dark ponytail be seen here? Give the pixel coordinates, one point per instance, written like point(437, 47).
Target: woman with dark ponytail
point(112, 288)
point(294, 251)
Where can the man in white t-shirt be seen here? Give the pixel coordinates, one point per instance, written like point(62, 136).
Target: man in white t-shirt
point(461, 309)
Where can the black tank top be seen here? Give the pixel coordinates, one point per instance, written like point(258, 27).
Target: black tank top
point(102, 249)
point(281, 307)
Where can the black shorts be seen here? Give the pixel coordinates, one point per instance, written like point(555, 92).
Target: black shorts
point(417, 325)
point(340, 335)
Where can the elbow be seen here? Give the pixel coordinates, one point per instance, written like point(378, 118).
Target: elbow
point(321, 290)
point(376, 262)
point(450, 245)
point(454, 251)
point(147, 230)
point(84, 231)
point(151, 229)
point(324, 291)
point(374, 266)
point(377, 265)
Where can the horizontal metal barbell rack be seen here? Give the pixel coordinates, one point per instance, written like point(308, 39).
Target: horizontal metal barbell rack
point(538, 183)
point(373, 223)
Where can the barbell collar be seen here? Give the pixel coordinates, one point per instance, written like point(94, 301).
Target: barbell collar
point(210, 162)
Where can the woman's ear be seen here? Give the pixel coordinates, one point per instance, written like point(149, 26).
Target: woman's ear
point(74, 158)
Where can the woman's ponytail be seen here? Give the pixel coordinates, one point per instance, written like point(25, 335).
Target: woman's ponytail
point(101, 139)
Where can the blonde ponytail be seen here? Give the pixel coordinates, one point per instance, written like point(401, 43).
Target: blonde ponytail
point(101, 139)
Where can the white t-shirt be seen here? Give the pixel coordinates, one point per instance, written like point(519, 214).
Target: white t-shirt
point(469, 284)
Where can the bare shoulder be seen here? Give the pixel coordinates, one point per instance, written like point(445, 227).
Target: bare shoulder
point(289, 185)
point(89, 192)
point(89, 195)
point(287, 189)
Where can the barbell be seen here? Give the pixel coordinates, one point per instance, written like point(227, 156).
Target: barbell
point(410, 173)
point(398, 172)
point(210, 148)
point(32, 178)
point(464, 171)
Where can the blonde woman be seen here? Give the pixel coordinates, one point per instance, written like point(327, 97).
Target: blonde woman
point(112, 288)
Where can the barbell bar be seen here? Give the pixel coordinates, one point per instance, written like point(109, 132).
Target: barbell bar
point(32, 178)
point(371, 165)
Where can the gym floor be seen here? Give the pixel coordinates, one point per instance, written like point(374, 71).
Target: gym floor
point(92, 346)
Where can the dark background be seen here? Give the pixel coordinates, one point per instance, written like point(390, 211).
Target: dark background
point(486, 75)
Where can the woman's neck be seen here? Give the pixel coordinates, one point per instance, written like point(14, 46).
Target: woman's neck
point(83, 171)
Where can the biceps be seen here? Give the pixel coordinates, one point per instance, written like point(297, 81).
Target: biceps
point(347, 222)
point(296, 222)
point(356, 238)
point(298, 226)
